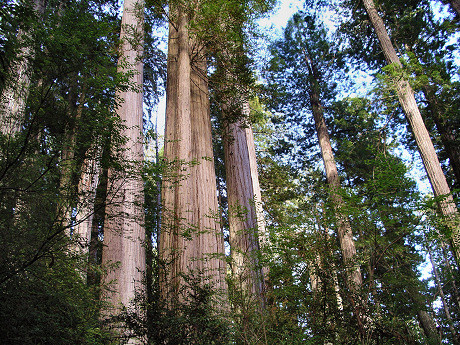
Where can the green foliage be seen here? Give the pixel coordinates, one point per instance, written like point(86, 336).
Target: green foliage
point(49, 303)
point(69, 119)
point(193, 319)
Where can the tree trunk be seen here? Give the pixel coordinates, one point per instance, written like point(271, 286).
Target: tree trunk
point(347, 244)
point(245, 212)
point(332, 268)
point(124, 232)
point(430, 159)
point(450, 322)
point(428, 326)
point(343, 226)
point(69, 191)
point(452, 274)
point(315, 278)
point(345, 234)
point(87, 186)
point(96, 244)
point(455, 6)
point(445, 131)
point(14, 95)
point(206, 208)
point(190, 240)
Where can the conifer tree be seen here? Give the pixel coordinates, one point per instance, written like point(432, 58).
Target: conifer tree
point(430, 159)
point(124, 233)
point(300, 61)
point(245, 214)
point(191, 244)
point(15, 92)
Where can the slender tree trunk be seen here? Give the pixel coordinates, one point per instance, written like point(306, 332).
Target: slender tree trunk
point(345, 234)
point(445, 131)
point(87, 187)
point(158, 184)
point(315, 278)
point(332, 267)
point(96, 244)
point(14, 95)
point(124, 232)
point(422, 137)
point(245, 212)
point(68, 163)
point(344, 231)
point(190, 241)
point(451, 274)
point(425, 145)
point(443, 298)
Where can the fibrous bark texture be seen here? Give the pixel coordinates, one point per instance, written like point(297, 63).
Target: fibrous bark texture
point(425, 145)
point(445, 130)
point(245, 212)
point(87, 187)
point(16, 91)
point(191, 243)
point(124, 232)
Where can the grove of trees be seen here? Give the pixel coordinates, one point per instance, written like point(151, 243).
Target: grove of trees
point(286, 203)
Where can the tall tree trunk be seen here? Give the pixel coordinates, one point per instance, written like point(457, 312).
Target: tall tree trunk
point(245, 214)
point(430, 159)
point(345, 234)
point(176, 185)
point(445, 131)
point(451, 274)
point(347, 244)
point(87, 186)
point(190, 240)
point(14, 95)
point(450, 322)
point(206, 207)
point(124, 232)
point(158, 185)
point(332, 267)
point(68, 188)
point(96, 244)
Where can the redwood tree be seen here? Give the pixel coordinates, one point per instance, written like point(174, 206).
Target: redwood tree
point(124, 233)
point(14, 94)
point(191, 244)
point(245, 214)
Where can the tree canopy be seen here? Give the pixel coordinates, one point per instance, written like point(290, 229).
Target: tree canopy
point(286, 201)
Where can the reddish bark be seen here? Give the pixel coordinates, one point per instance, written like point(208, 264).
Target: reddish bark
point(190, 241)
point(245, 210)
point(124, 232)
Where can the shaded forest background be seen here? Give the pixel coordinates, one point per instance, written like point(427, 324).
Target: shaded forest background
point(108, 235)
